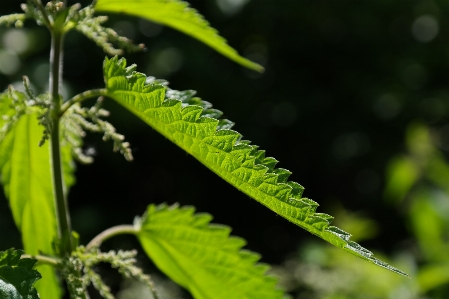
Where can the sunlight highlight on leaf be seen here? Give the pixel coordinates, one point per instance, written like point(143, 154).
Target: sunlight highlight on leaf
point(25, 169)
point(180, 117)
point(26, 179)
point(203, 257)
point(178, 15)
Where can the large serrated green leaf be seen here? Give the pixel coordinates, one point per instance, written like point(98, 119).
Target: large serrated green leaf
point(179, 117)
point(178, 15)
point(202, 257)
point(17, 276)
point(26, 179)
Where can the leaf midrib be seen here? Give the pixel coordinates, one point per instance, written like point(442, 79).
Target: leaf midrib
point(196, 262)
point(275, 200)
point(189, 243)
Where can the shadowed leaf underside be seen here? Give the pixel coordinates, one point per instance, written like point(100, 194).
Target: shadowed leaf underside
point(17, 276)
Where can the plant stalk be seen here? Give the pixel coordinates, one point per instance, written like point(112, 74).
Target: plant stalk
point(82, 97)
point(43, 259)
point(62, 212)
point(111, 232)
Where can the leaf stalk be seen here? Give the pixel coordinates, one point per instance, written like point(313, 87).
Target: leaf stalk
point(43, 259)
point(79, 98)
point(111, 232)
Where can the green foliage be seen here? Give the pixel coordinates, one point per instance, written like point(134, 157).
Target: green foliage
point(26, 179)
point(77, 120)
point(12, 107)
point(403, 175)
point(178, 15)
point(17, 277)
point(202, 257)
point(425, 199)
point(322, 272)
point(36, 174)
point(27, 183)
point(192, 125)
point(105, 38)
point(415, 186)
point(78, 270)
point(14, 19)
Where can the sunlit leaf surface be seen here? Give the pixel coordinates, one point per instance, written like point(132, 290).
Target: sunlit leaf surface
point(178, 15)
point(202, 257)
point(194, 126)
point(26, 179)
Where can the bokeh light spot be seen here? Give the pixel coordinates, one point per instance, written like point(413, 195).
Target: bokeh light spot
point(165, 62)
point(350, 145)
point(149, 29)
point(284, 114)
point(231, 7)
point(387, 106)
point(414, 76)
point(40, 73)
point(9, 63)
point(425, 28)
point(367, 181)
point(125, 28)
point(16, 40)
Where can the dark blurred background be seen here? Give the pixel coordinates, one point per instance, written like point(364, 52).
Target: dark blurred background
point(344, 81)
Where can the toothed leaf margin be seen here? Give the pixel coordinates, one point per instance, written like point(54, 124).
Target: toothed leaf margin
point(17, 276)
point(203, 257)
point(189, 123)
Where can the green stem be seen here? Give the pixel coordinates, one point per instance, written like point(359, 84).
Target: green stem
point(62, 213)
point(81, 98)
point(43, 259)
point(111, 232)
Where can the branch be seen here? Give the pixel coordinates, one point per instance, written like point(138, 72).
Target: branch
point(43, 259)
point(81, 98)
point(109, 233)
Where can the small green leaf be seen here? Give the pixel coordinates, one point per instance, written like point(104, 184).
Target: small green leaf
point(17, 276)
point(202, 257)
point(177, 116)
point(178, 15)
